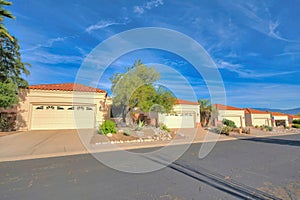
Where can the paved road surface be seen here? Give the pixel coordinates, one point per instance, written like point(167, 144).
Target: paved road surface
point(258, 168)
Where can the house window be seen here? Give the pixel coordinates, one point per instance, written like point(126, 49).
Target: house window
point(80, 108)
point(89, 108)
point(50, 107)
point(71, 108)
point(60, 108)
point(39, 108)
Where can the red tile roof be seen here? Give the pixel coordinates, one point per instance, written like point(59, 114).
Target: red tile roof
point(66, 87)
point(277, 114)
point(224, 107)
point(252, 111)
point(293, 116)
point(180, 101)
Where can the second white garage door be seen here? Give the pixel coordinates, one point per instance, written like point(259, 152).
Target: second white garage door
point(52, 117)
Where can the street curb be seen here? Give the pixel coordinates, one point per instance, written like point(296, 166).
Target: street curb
point(84, 152)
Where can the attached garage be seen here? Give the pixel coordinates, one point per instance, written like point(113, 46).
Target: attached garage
point(62, 106)
point(222, 112)
point(257, 117)
point(47, 117)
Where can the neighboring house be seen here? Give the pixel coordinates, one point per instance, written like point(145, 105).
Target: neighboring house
point(61, 106)
point(186, 114)
point(257, 117)
point(220, 112)
point(279, 119)
point(292, 118)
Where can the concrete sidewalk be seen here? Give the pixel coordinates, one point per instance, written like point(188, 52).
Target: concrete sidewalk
point(42, 144)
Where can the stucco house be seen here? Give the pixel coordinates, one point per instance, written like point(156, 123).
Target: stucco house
point(220, 112)
point(257, 118)
point(186, 114)
point(61, 106)
point(279, 119)
point(292, 118)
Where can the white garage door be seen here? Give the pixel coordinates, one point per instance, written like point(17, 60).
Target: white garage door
point(52, 117)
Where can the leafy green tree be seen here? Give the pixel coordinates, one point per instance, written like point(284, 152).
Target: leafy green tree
point(11, 66)
point(298, 114)
point(205, 111)
point(125, 84)
point(8, 95)
point(134, 88)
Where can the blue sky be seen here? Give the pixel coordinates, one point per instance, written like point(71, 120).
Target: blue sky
point(255, 44)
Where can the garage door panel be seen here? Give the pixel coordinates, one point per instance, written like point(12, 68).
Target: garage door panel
point(62, 117)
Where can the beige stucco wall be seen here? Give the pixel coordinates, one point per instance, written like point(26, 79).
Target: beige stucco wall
point(183, 108)
point(28, 98)
point(238, 116)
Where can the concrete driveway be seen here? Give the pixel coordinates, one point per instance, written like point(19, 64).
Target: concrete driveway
point(28, 144)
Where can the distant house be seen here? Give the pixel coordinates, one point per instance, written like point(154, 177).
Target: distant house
point(61, 106)
point(186, 114)
point(279, 119)
point(257, 117)
point(221, 112)
point(292, 118)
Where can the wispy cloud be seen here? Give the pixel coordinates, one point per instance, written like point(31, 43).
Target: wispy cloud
point(254, 95)
point(49, 43)
point(258, 17)
point(50, 58)
point(247, 73)
point(148, 6)
point(105, 23)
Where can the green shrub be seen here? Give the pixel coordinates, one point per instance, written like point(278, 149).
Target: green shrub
point(107, 127)
point(164, 128)
point(269, 128)
point(256, 126)
point(266, 128)
point(296, 121)
point(296, 125)
point(229, 123)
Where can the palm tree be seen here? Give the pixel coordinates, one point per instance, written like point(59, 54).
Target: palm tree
point(205, 111)
point(5, 13)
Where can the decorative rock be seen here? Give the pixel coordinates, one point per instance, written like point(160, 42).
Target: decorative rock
point(109, 135)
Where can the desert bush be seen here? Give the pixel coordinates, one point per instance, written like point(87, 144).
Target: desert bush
point(164, 127)
point(256, 126)
point(296, 125)
point(229, 123)
point(266, 128)
point(224, 130)
point(296, 121)
point(127, 133)
point(107, 127)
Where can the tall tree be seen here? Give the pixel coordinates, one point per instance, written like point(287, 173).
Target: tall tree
point(5, 13)
point(134, 88)
point(11, 66)
point(205, 111)
point(125, 84)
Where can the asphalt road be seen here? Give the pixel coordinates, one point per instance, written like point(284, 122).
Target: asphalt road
point(260, 168)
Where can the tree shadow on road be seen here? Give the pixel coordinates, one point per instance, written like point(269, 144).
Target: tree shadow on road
point(274, 141)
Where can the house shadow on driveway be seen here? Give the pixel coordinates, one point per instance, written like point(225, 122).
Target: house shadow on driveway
point(274, 141)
